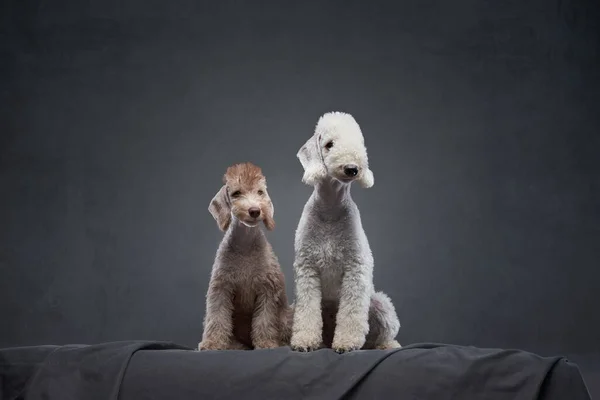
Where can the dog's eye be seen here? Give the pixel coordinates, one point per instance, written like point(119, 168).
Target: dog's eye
point(329, 145)
point(237, 193)
point(260, 192)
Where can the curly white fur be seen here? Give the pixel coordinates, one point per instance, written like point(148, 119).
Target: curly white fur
point(336, 303)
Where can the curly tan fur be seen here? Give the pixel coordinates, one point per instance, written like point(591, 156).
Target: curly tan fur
point(246, 303)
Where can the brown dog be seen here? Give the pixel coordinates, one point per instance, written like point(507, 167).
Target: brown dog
point(246, 303)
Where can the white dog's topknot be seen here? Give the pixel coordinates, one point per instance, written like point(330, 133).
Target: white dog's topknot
point(338, 121)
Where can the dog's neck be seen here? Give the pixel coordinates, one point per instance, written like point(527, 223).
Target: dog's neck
point(331, 193)
point(240, 236)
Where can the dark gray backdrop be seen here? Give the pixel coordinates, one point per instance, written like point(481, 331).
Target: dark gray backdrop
point(118, 120)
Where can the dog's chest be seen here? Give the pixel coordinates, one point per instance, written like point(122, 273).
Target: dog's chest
point(331, 269)
point(331, 282)
point(245, 273)
point(244, 298)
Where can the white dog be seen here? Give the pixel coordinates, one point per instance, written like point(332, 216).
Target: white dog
point(336, 303)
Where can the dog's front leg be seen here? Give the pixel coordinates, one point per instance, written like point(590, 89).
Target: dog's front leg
point(352, 321)
point(266, 332)
point(307, 331)
point(218, 324)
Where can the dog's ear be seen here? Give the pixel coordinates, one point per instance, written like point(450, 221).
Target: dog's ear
point(310, 158)
point(220, 210)
point(269, 213)
point(367, 179)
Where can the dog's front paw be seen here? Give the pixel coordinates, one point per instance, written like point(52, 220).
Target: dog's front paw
point(344, 344)
point(303, 341)
point(212, 345)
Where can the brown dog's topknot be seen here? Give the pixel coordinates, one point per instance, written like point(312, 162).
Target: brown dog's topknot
point(246, 173)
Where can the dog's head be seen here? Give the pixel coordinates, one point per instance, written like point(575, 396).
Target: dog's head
point(336, 149)
point(243, 196)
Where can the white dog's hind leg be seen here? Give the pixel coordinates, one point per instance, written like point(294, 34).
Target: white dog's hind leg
point(383, 323)
point(352, 323)
point(307, 331)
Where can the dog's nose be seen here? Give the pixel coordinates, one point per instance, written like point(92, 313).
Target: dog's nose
point(351, 170)
point(254, 212)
